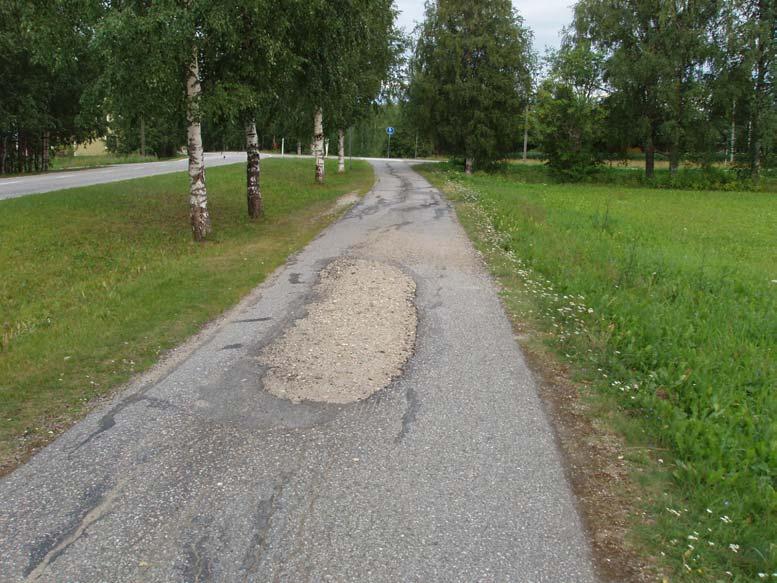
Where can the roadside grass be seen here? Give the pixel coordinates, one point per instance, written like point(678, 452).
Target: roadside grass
point(80, 162)
point(665, 302)
point(97, 282)
point(62, 163)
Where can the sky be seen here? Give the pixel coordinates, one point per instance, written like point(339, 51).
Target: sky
point(545, 17)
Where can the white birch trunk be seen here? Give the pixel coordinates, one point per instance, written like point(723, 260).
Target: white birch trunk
point(469, 164)
point(198, 194)
point(253, 172)
point(318, 144)
point(340, 151)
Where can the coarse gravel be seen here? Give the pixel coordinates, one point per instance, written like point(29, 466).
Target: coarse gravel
point(353, 340)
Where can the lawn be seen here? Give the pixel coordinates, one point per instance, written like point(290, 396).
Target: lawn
point(79, 162)
point(97, 282)
point(665, 301)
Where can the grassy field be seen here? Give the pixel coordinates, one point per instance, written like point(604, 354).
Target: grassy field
point(96, 282)
point(665, 301)
point(79, 162)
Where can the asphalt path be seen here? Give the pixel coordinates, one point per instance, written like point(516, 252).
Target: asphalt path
point(195, 473)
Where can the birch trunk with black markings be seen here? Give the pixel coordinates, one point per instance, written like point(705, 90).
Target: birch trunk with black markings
point(198, 194)
point(318, 144)
point(340, 151)
point(253, 170)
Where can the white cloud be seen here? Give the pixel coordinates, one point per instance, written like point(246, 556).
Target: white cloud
point(546, 18)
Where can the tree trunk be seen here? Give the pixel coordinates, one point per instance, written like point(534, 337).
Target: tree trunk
point(299, 148)
point(142, 136)
point(253, 170)
point(45, 151)
point(650, 157)
point(318, 144)
point(198, 194)
point(733, 133)
point(3, 154)
point(526, 135)
point(469, 164)
point(340, 151)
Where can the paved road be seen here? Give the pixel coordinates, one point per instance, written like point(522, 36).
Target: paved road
point(197, 474)
point(24, 185)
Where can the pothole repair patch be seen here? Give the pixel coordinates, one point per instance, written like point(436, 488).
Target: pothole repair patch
point(354, 339)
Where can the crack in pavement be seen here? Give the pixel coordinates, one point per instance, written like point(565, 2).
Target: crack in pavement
point(263, 521)
point(98, 504)
point(411, 412)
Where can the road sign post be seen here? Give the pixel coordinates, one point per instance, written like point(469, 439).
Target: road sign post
point(390, 132)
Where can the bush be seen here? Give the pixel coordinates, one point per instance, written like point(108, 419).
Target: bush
point(568, 132)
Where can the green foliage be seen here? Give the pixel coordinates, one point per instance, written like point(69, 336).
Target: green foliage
point(666, 302)
point(704, 178)
point(569, 130)
point(48, 70)
point(98, 281)
point(470, 78)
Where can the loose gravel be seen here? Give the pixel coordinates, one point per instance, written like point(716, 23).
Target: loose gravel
point(354, 339)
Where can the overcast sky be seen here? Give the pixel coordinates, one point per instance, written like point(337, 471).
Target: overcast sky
point(545, 17)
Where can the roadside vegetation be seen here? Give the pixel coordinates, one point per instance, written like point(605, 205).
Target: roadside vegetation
point(690, 177)
point(79, 162)
point(665, 302)
point(98, 282)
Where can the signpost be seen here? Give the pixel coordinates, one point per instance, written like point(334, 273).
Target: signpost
point(390, 132)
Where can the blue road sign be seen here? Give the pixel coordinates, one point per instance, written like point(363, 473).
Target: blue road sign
point(390, 131)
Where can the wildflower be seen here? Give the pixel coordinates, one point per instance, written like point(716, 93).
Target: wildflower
point(734, 548)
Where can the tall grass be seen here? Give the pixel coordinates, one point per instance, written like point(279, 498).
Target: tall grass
point(667, 300)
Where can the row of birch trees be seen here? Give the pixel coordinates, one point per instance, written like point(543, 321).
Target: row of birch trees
point(74, 67)
point(247, 62)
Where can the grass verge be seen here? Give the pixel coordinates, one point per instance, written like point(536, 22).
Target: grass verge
point(83, 162)
point(96, 282)
point(665, 304)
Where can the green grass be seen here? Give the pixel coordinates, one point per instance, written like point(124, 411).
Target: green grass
point(666, 301)
point(96, 282)
point(80, 162)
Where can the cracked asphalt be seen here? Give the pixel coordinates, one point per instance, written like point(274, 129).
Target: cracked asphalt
point(195, 473)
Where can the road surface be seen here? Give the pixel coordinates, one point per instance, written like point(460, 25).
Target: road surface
point(23, 185)
point(196, 473)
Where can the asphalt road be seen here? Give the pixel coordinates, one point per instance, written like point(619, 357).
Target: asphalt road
point(38, 183)
point(197, 474)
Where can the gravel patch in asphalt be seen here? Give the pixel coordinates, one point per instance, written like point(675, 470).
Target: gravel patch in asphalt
point(354, 339)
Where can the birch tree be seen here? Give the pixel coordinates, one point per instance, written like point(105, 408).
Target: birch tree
point(198, 193)
point(370, 50)
point(249, 68)
point(329, 36)
point(163, 39)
